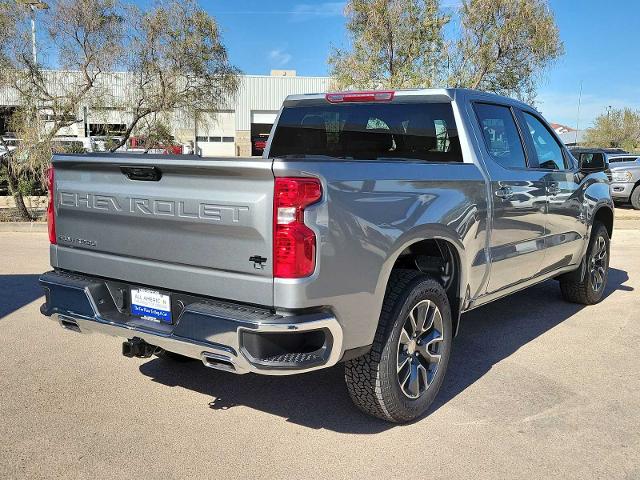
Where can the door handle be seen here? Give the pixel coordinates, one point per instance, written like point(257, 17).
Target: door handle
point(553, 189)
point(504, 193)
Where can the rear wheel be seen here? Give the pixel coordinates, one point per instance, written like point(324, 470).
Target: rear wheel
point(635, 198)
point(587, 285)
point(400, 376)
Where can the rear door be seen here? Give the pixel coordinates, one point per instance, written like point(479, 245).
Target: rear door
point(518, 196)
point(190, 224)
point(566, 219)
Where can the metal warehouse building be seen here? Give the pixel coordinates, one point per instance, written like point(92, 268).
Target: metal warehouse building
point(227, 132)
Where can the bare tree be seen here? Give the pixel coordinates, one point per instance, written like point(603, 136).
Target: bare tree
point(86, 36)
point(176, 61)
point(504, 46)
point(394, 44)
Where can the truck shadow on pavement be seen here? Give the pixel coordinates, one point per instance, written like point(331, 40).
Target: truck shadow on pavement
point(16, 291)
point(319, 400)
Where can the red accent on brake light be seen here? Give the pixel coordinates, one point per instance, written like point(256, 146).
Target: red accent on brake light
point(371, 96)
point(294, 244)
point(51, 219)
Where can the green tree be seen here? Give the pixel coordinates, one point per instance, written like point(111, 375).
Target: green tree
point(616, 128)
point(176, 61)
point(501, 46)
point(394, 44)
point(504, 46)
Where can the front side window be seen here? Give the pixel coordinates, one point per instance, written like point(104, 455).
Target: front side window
point(501, 135)
point(368, 131)
point(547, 149)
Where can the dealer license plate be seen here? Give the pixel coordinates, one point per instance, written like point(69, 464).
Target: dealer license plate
point(151, 305)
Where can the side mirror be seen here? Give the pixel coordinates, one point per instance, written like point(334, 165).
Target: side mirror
point(592, 162)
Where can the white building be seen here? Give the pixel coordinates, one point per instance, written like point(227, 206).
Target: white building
point(221, 133)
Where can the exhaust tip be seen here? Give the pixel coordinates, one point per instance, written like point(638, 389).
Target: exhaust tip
point(219, 362)
point(69, 324)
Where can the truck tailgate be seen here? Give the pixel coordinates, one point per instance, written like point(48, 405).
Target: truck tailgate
point(193, 229)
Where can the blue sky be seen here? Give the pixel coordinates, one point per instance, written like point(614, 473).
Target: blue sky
point(601, 42)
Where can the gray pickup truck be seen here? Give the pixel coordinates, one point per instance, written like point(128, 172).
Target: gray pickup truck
point(625, 182)
point(371, 223)
point(623, 172)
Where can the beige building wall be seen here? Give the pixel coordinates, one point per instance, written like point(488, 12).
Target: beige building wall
point(243, 143)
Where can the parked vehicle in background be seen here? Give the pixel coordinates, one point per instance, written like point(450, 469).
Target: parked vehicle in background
point(258, 144)
point(625, 183)
point(623, 170)
point(608, 154)
point(10, 141)
point(72, 145)
point(140, 145)
point(373, 221)
point(613, 159)
point(103, 143)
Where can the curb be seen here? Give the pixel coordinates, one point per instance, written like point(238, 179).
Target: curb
point(21, 227)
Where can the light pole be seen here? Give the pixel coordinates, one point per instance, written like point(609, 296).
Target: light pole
point(33, 6)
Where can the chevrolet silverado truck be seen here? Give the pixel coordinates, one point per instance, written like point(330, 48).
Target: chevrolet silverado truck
point(372, 222)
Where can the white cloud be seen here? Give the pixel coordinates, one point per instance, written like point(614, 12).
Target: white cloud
point(278, 57)
point(562, 107)
point(306, 11)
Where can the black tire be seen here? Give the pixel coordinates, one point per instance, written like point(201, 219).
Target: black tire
point(173, 357)
point(582, 286)
point(373, 380)
point(635, 198)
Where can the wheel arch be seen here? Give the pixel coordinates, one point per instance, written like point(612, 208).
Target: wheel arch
point(431, 252)
point(604, 214)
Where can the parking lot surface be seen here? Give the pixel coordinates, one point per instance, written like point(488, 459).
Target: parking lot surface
point(536, 388)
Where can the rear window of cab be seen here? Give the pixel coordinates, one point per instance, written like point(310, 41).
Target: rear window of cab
point(368, 131)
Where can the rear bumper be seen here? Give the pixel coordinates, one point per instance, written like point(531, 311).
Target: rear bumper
point(225, 336)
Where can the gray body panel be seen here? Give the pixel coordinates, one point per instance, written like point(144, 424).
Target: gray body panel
point(371, 211)
point(193, 230)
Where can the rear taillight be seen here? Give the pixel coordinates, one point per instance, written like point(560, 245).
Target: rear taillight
point(51, 219)
point(294, 244)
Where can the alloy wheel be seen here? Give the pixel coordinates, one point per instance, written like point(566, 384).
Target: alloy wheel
point(598, 264)
point(419, 348)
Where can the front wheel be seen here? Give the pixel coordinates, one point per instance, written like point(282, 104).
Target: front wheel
point(635, 198)
point(587, 285)
point(400, 376)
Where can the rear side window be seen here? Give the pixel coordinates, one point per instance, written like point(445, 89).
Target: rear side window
point(622, 159)
point(547, 149)
point(501, 135)
point(369, 131)
point(588, 159)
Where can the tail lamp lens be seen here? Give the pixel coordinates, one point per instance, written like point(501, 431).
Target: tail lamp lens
point(294, 244)
point(51, 220)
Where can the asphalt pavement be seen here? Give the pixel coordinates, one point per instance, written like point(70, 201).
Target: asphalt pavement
point(536, 388)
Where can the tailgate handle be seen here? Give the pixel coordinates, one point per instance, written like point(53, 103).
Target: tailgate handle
point(143, 174)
